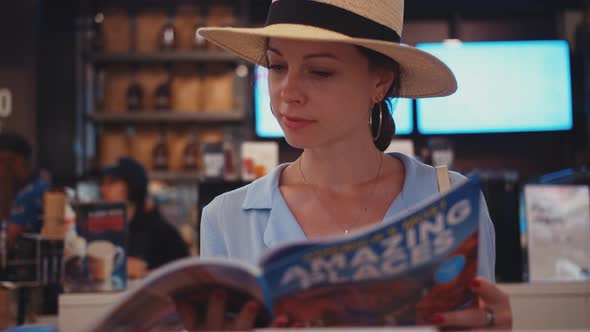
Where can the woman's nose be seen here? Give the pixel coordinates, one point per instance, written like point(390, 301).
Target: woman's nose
point(291, 91)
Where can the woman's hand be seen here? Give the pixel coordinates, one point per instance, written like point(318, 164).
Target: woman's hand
point(136, 268)
point(493, 312)
point(215, 319)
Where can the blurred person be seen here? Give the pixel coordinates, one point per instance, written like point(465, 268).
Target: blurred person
point(26, 208)
point(28, 187)
point(152, 241)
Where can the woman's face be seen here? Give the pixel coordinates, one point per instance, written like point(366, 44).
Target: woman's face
point(321, 93)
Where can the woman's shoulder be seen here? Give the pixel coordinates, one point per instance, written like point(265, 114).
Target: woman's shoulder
point(421, 175)
point(234, 197)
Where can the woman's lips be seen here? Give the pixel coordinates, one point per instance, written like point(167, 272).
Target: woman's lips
point(293, 122)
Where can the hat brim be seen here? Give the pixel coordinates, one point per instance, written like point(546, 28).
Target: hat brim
point(422, 74)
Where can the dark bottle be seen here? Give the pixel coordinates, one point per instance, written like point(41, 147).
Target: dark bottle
point(134, 95)
point(163, 94)
point(97, 42)
point(191, 153)
point(168, 36)
point(160, 153)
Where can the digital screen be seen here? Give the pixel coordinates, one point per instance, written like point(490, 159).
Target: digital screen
point(557, 230)
point(268, 127)
point(503, 86)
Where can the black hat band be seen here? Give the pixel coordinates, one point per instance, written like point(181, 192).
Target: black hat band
point(329, 17)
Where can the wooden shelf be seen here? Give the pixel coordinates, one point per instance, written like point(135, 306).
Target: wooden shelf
point(176, 176)
point(172, 56)
point(146, 117)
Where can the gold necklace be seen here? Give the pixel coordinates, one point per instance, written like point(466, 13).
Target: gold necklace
point(346, 228)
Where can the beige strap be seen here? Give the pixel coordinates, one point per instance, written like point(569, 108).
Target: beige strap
point(442, 176)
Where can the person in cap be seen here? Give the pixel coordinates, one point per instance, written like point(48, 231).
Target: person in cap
point(333, 65)
point(27, 186)
point(153, 241)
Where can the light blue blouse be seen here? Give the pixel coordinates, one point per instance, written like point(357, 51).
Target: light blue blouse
point(244, 223)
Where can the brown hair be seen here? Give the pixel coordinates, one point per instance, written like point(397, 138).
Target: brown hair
point(378, 61)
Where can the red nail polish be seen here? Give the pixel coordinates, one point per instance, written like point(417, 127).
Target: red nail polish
point(475, 283)
point(437, 319)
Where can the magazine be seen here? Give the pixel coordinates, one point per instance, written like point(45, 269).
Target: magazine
point(399, 272)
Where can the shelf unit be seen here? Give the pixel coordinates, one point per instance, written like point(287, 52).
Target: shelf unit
point(179, 193)
point(91, 120)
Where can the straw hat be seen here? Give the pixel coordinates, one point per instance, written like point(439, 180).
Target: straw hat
point(374, 24)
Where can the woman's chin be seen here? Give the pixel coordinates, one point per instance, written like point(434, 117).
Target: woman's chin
point(297, 142)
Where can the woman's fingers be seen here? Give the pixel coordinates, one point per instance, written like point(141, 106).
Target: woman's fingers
point(463, 318)
point(490, 296)
point(473, 318)
point(488, 292)
point(215, 317)
point(215, 314)
point(494, 309)
point(245, 319)
point(281, 321)
point(188, 315)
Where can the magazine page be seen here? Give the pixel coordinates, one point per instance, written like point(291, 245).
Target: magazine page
point(400, 272)
point(150, 306)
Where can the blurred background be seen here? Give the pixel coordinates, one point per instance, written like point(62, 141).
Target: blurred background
point(87, 82)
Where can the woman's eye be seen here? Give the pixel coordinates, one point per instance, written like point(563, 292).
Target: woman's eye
point(322, 73)
point(276, 67)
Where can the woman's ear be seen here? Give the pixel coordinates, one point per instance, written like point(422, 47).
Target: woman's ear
point(383, 81)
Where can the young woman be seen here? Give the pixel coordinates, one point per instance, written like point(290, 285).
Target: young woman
point(333, 64)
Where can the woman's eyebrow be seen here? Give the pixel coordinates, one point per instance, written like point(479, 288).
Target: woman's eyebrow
point(308, 56)
point(321, 55)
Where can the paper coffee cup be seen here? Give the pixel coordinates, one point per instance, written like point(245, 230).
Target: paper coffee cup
point(101, 259)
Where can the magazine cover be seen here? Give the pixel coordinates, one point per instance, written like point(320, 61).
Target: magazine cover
point(399, 272)
point(95, 253)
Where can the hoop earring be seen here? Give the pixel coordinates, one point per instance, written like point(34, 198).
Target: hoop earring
point(380, 110)
point(271, 110)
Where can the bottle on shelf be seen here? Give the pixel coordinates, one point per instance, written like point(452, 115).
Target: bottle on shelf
point(97, 42)
point(160, 153)
point(190, 156)
point(168, 35)
point(163, 93)
point(134, 94)
point(199, 42)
